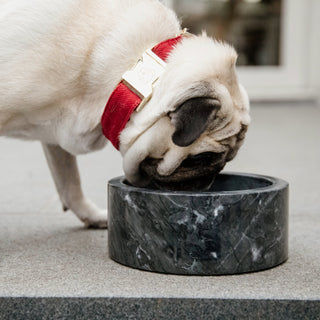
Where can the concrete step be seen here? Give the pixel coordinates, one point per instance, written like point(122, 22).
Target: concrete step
point(156, 308)
point(53, 268)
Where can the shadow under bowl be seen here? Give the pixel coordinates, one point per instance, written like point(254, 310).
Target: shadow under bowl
point(239, 225)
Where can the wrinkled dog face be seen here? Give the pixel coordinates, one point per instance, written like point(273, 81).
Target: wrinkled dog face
point(195, 118)
point(195, 122)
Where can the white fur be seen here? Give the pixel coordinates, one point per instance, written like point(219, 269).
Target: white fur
point(59, 62)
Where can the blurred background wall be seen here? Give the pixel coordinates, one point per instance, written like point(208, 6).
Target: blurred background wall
point(277, 42)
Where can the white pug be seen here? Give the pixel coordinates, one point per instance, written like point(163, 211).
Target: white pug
point(60, 62)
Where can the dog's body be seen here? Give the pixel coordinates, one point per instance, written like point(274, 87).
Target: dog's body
point(59, 63)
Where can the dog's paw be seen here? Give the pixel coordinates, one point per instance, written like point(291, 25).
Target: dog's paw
point(97, 221)
point(89, 213)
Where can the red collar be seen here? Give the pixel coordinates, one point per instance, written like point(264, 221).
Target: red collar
point(124, 100)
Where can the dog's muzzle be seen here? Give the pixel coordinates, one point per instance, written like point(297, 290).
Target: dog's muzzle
point(196, 172)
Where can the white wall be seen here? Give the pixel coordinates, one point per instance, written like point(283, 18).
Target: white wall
point(296, 78)
point(314, 62)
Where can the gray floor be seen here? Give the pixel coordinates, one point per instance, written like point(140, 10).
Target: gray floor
point(45, 252)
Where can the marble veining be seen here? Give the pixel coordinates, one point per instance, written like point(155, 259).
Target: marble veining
point(200, 233)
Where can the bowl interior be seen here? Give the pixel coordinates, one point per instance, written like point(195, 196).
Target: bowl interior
point(229, 182)
point(232, 182)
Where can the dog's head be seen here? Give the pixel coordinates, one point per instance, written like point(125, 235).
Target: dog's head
point(194, 123)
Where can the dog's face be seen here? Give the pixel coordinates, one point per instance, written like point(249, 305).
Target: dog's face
point(194, 123)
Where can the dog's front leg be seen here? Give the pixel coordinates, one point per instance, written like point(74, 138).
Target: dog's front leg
point(64, 169)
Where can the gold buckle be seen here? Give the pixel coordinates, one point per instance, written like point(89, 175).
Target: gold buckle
point(144, 75)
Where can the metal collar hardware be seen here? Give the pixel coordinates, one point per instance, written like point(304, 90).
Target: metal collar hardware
point(144, 75)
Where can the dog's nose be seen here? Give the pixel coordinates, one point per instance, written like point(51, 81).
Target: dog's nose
point(201, 159)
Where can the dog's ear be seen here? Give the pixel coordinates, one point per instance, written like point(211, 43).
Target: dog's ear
point(191, 119)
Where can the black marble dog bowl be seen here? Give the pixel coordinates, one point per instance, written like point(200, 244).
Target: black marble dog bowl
point(239, 225)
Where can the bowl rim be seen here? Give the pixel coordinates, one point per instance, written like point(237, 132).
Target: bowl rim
point(276, 184)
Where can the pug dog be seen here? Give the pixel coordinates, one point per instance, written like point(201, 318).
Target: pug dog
point(60, 62)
